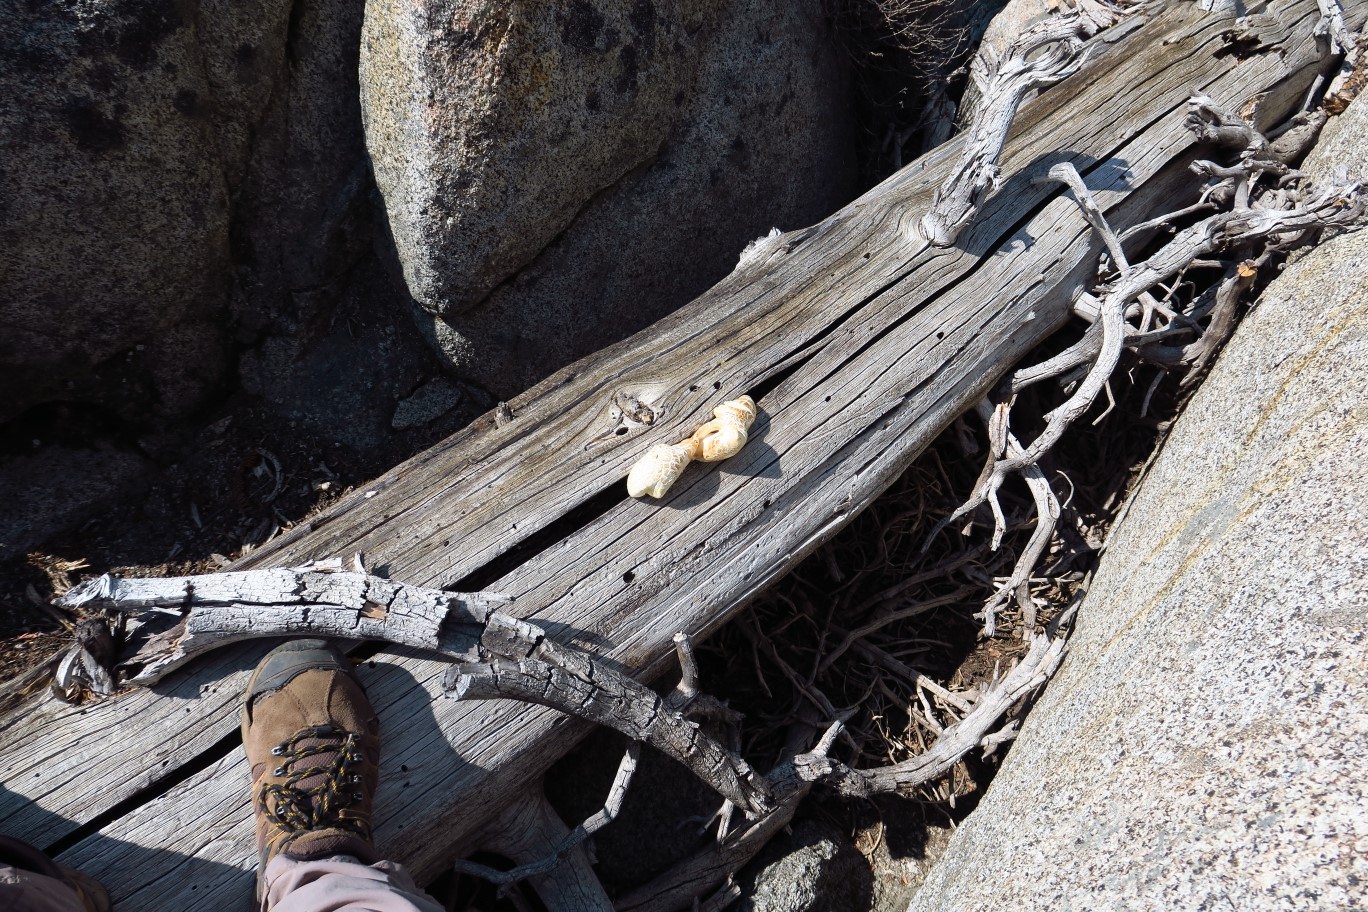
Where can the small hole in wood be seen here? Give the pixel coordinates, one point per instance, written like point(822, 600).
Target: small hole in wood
point(628, 576)
point(693, 389)
point(828, 398)
point(620, 431)
point(940, 335)
point(866, 256)
point(717, 385)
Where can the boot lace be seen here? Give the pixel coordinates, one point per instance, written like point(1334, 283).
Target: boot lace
point(326, 802)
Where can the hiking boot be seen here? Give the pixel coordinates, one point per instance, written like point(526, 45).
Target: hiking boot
point(21, 855)
point(313, 741)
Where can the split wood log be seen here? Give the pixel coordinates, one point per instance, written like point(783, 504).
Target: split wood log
point(859, 343)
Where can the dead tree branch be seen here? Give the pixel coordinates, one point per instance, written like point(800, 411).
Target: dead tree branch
point(1268, 211)
point(1040, 662)
point(612, 807)
point(530, 833)
point(552, 675)
point(1046, 53)
point(174, 620)
point(518, 661)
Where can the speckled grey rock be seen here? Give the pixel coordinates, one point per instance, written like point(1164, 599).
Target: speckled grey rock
point(817, 869)
point(114, 232)
point(427, 403)
point(1205, 745)
point(558, 176)
point(174, 173)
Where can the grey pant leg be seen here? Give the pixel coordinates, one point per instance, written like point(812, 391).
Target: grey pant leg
point(342, 884)
point(25, 891)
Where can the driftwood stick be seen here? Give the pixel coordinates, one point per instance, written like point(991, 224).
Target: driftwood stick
point(528, 831)
point(1066, 174)
point(1084, 351)
point(577, 684)
point(202, 613)
point(1040, 662)
point(1112, 319)
point(612, 806)
point(180, 618)
point(1333, 28)
point(1046, 53)
point(1047, 516)
point(688, 687)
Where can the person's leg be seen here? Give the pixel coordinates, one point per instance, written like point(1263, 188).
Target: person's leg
point(32, 882)
point(343, 884)
point(313, 741)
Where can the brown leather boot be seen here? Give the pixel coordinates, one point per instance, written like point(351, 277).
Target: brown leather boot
point(313, 741)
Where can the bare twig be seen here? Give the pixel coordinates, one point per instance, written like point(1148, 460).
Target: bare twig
point(1047, 515)
point(886, 618)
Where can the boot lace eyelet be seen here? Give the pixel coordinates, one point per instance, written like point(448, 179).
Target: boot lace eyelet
point(278, 750)
point(278, 771)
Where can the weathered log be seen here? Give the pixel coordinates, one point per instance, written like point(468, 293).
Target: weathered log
point(858, 342)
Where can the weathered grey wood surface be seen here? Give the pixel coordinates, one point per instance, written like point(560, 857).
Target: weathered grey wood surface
point(875, 342)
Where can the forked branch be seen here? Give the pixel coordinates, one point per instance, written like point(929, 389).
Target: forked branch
point(1135, 307)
